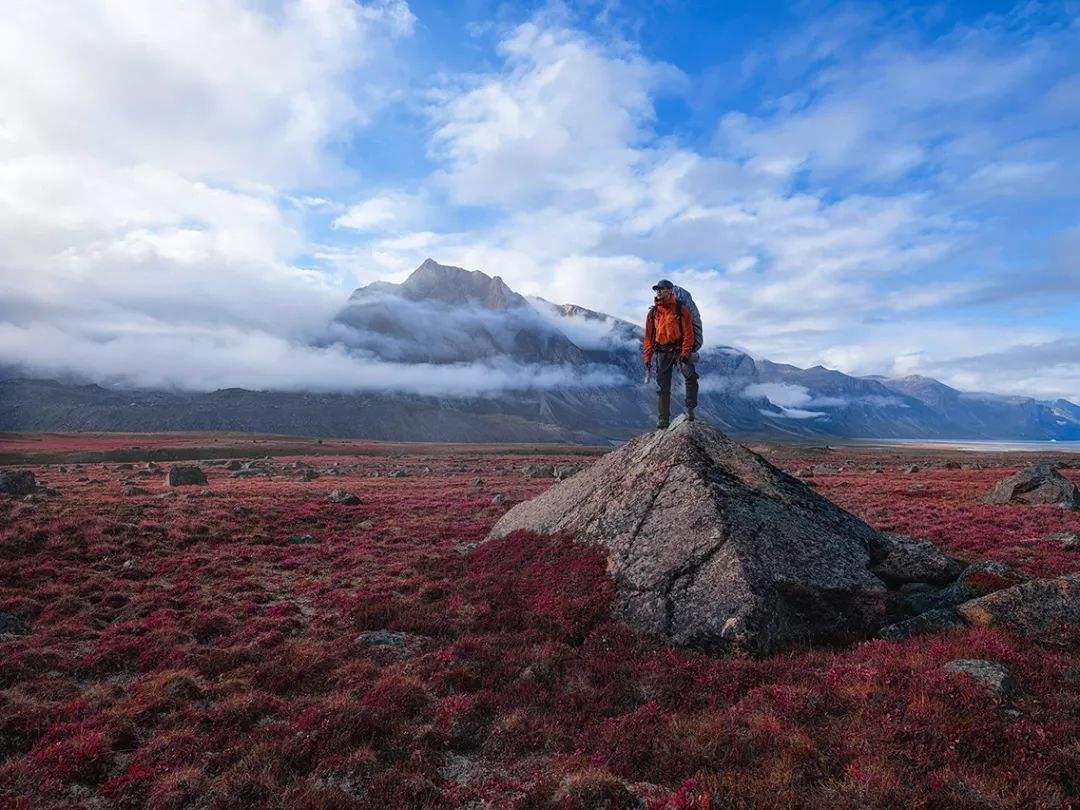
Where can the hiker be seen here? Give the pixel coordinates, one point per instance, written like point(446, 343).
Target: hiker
point(669, 334)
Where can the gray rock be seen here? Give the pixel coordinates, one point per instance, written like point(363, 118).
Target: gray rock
point(364, 525)
point(387, 638)
point(907, 559)
point(234, 465)
point(995, 677)
point(538, 471)
point(185, 475)
point(1045, 610)
point(132, 491)
point(977, 579)
point(1039, 484)
point(17, 482)
point(11, 624)
point(302, 540)
point(564, 471)
point(929, 622)
point(499, 499)
point(711, 546)
point(1070, 541)
point(398, 474)
point(343, 497)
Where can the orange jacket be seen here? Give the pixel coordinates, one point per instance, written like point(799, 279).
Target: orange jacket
point(664, 328)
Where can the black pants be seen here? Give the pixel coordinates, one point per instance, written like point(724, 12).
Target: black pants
point(665, 364)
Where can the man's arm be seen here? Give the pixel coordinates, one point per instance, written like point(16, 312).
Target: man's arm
point(687, 333)
point(650, 335)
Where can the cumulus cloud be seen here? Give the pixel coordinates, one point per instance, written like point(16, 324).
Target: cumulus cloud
point(147, 151)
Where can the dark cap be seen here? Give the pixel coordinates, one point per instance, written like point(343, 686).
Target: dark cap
point(663, 284)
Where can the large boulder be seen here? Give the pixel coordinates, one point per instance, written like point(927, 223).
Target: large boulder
point(17, 482)
point(711, 546)
point(1038, 484)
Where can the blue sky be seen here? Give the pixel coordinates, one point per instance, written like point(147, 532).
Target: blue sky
point(877, 188)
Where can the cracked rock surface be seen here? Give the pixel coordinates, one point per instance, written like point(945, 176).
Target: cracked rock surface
point(713, 547)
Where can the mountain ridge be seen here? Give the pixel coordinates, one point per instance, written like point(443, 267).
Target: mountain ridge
point(447, 315)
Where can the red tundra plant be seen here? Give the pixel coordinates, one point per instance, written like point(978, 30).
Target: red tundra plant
point(189, 650)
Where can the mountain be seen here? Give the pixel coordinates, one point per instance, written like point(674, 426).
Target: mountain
point(590, 362)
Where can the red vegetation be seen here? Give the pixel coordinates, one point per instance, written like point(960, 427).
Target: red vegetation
point(183, 651)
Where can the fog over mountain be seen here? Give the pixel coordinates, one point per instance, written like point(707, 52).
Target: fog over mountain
point(457, 355)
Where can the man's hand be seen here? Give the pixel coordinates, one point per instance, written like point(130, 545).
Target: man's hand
point(648, 374)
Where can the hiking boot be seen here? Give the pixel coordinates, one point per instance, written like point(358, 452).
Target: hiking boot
point(689, 414)
point(661, 424)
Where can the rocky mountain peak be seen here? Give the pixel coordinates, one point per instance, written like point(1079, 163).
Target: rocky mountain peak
point(432, 281)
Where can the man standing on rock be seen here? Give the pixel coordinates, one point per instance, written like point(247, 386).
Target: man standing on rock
point(669, 334)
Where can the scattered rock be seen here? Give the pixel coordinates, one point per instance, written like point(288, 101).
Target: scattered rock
point(911, 469)
point(185, 475)
point(977, 579)
point(387, 638)
point(907, 559)
point(302, 540)
point(1070, 541)
point(1046, 610)
point(132, 491)
point(931, 621)
point(713, 547)
point(825, 469)
point(951, 465)
point(476, 483)
point(398, 474)
point(538, 470)
point(500, 499)
point(994, 676)
point(564, 471)
point(1039, 484)
point(168, 494)
point(125, 466)
point(364, 525)
point(11, 624)
point(341, 496)
point(253, 472)
point(17, 482)
point(234, 465)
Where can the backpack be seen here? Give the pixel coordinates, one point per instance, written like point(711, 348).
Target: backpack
point(683, 298)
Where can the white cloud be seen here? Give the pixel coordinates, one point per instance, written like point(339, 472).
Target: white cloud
point(392, 211)
point(147, 151)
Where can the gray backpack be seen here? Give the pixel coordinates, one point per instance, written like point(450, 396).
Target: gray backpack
point(684, 298)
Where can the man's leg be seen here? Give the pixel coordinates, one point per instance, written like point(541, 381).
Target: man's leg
point(690, 376)
point(664, 363)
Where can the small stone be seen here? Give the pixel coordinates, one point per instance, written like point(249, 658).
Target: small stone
point(387, 638)
point(302, 540)
point(17, 482)
point(343, 497)
point(990, 674)
point(499, 500)
point(398, 474)
point(234, 465)
point(364, 525)
point(185, 475)
point(564, 471)
point(132, 491)
point(11, 624)
point(1070, 541)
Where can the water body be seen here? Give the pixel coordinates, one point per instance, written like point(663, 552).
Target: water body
point(976, 445)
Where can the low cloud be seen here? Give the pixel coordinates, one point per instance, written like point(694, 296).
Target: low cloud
point(222, 357)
